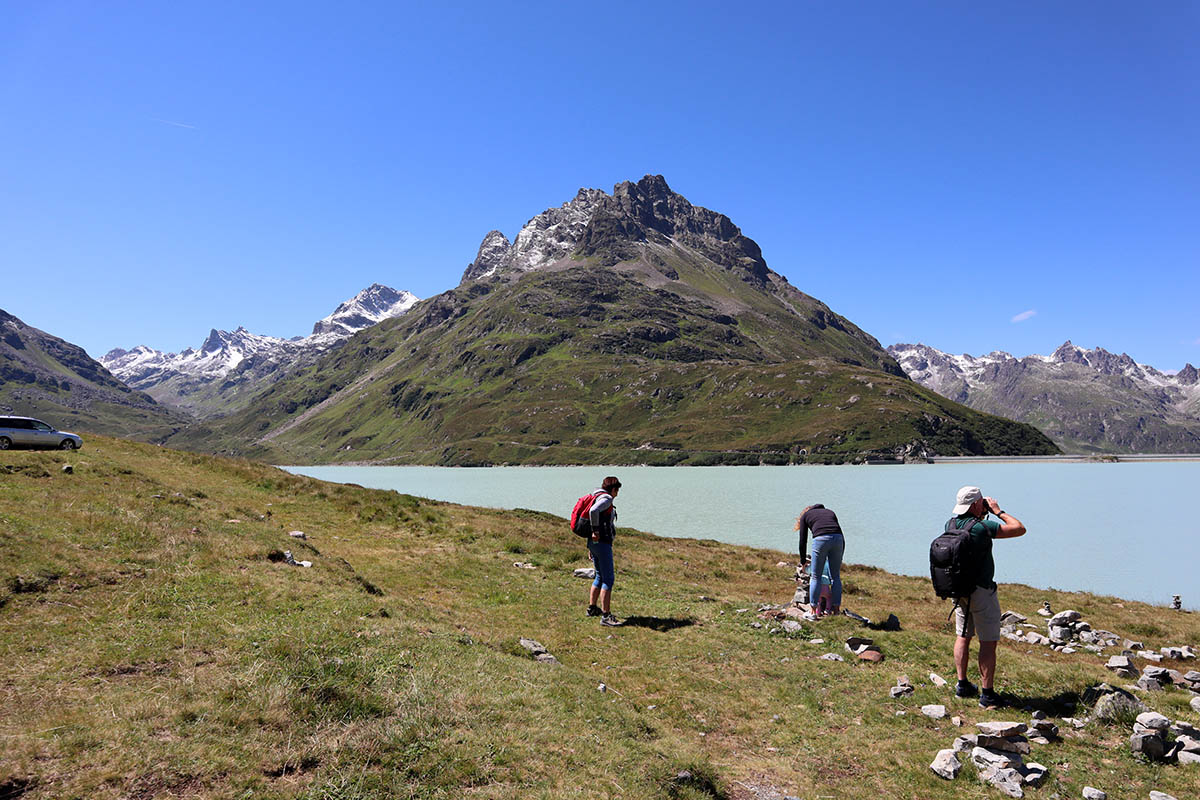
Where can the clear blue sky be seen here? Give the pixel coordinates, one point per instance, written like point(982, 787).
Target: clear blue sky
point(172, 167)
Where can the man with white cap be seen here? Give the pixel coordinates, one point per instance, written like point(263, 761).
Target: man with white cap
point(980, 612)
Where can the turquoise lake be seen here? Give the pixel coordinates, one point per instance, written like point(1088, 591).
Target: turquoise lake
point(1114, 529)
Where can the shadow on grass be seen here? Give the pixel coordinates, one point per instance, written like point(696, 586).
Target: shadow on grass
point(661, 624)
point(1062, 704)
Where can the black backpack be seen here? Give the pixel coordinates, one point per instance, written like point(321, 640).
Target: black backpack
point(954, 560)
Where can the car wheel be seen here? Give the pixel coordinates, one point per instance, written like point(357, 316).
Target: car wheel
point(5, 442)
point(67, 444)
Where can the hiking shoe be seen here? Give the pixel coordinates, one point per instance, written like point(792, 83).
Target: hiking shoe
point(610, 621)
point(965, 688)
point(594, 611)
point(989, 699)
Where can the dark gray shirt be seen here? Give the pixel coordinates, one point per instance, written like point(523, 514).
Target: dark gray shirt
point(821, 521)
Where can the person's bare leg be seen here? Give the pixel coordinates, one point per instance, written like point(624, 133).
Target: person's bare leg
point(987, 664)
point(962, 655)
point(605, 599)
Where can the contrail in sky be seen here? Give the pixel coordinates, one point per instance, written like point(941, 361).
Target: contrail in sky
point(172, 122)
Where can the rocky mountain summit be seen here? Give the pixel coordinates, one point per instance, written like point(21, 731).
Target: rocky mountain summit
point(44, 376)
point(1085, 400)
point(615, 228)
point(230, 365)
point(631, 327)
point(369, 307)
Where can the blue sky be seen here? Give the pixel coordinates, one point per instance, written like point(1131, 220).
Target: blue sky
point(973, 178)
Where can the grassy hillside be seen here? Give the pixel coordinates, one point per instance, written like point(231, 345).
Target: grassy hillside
point(151, 647)
point(589, 365)
point(46, 377)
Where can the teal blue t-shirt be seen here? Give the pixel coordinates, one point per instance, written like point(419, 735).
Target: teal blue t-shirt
point(983, 532)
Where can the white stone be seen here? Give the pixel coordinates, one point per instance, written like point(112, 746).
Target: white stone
point(1160, 796)
point(1002, 728)
point(937, 680)
point(985, 758)
point(946, 764)
point(1090, 793)
point(832, 657)
point(934, 711)
point(1154, 721)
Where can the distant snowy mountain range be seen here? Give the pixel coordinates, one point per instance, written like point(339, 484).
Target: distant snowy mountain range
point(230, 365)
point(1085, 400)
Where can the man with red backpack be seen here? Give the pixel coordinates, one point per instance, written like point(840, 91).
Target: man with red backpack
point(602, 517)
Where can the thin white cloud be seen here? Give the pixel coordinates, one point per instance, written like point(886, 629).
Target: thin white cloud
point(1024, 315)
point(173, 122)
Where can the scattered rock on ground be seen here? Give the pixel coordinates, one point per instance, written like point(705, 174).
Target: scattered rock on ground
point(586, 572)
point(937, 680)
point(1090, 793)
point(934, 711)
point(297, 535)
point(1122, 665)
point(946, 764)
point(832, 657)
point(537, 651)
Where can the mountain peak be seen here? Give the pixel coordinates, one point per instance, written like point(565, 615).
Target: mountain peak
point(617, 228)
point(373, 304)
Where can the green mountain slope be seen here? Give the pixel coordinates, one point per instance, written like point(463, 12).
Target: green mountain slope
point(631, 328)
point(49, 378)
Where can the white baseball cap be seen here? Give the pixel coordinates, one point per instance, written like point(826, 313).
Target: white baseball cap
point(967, 496)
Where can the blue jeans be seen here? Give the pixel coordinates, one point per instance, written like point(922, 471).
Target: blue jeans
point(602, 558)
point(827, 550)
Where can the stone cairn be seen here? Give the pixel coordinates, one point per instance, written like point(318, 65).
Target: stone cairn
point(998, 752)
point(1150, 739)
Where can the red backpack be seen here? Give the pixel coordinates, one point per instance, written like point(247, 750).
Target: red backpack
point(581, 520)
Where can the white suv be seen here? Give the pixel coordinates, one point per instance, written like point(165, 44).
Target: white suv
point(29, 432)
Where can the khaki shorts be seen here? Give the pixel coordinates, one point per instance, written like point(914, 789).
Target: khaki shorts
point(984, 619)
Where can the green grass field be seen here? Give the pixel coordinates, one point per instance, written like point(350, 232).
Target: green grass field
point(151, 647)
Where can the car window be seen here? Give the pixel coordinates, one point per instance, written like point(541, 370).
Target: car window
point(41, 426)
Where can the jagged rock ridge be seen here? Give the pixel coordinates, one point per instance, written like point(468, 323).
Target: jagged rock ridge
point(616, 228)
point(1085, 400)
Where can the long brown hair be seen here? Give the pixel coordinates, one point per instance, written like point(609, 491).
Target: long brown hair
point(796, 527)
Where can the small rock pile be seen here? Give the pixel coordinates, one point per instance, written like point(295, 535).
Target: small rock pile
point(997, 752)
point(538, 651)
point(903, 687)
point(1152, 677)
point(1150, 739)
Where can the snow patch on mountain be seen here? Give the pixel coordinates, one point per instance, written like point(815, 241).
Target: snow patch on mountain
point(954, 376)
point(369, 307)
point(224, 351)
